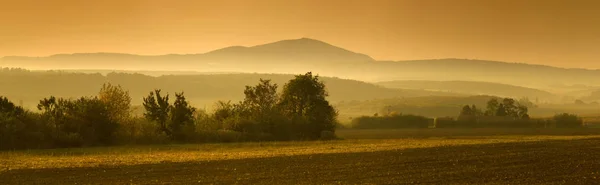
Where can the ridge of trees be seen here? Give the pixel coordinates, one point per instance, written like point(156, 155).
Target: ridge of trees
point(505, 113)
point(300, 112)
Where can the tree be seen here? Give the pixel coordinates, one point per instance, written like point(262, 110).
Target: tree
point(508, 107)
point(82, 122)
point(501, 111)
point(157, 109)
point(304, 100)
point(117, 101)
point(522, 112)
point(492, 107)
point(526, 102)
point(566, 120)
point(260, 102)
point(8, 107)
point(469, 113)
point(93, 121)
point(182, 117)
point(223, 111)
point(466, 111)
point(12, 126)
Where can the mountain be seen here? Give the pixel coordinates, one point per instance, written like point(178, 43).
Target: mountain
point(472, 88)
point(287, 56)
point(301, 55)
point(302, 50)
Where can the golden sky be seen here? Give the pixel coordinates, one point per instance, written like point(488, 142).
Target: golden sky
point(560, 33)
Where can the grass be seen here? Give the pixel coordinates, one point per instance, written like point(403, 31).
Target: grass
point(362, 151)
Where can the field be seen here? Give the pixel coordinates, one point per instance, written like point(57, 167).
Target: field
point(437, 156)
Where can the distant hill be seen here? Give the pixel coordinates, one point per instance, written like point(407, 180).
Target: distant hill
point(302, 55)
point(287, 56)
point(526, 75)
point(473, 88)
point(29, 87)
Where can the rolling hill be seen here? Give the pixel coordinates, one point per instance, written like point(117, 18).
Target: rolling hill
point(472, 88)
point(301, 55)
point(29, 87)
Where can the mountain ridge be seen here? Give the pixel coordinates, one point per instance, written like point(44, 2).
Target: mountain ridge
point(296, 56)
point(472, 88)
point(278, 43)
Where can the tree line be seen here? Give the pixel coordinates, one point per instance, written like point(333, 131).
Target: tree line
point(300, 112)
point(499, 113)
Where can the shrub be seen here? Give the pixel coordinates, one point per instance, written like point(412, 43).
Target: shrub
point(566, 120)
point(391, 122)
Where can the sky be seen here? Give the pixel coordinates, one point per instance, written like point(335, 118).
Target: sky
point(564, 33)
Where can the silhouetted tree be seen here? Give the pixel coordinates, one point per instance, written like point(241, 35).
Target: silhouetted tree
point(566, 120)
point(182, 117)
point(260, 102)
point(304, 100)
point(82, 122)
point(157, 109)
point(492, 107)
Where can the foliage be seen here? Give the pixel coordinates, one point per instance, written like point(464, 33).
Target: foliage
point(508, 107)
point(81, 122)
point(304, 100)
point(157, 109)
point(176, 120)
point(182, 117)
point(391, 122)
point(508, 113)
point(117, 101)
point(566, 120)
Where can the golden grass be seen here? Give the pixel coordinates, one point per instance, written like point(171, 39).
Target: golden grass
point(135, 155)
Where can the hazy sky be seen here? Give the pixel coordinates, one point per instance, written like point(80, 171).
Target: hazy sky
point(560, 33)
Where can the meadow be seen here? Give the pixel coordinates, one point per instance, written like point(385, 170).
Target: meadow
point(448, 156)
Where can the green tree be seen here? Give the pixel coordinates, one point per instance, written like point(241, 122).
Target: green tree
point(304, 100)
point(157, 109)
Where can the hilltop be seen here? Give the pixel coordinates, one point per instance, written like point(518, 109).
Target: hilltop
point(297, 56)
point(472, 88)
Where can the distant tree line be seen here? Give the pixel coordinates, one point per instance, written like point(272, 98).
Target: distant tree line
point(505, 113)
point(300, 112)
point(391, 121)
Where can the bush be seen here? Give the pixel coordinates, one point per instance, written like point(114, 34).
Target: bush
point(391, 122)
point(490, 122)
point(566, 120)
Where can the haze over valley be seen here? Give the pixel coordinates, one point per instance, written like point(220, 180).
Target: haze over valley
point(299, 92)
point(351, 76)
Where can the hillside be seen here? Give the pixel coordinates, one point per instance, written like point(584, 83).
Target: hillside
point(301, 55)
point(203, 90)
point(472, 88)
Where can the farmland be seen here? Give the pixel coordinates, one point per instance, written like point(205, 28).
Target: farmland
point(363, 156)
